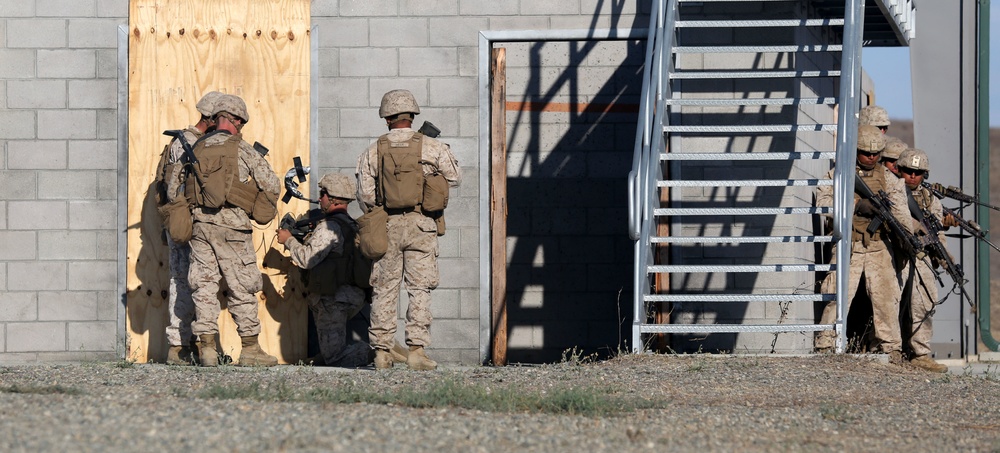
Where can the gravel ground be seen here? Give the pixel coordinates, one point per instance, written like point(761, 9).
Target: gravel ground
point(672, 403)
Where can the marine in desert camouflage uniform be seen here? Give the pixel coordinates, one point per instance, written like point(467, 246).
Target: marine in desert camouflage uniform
point(413, 243)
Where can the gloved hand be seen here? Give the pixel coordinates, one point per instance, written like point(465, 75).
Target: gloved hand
point(865, 208)
point(949, 221)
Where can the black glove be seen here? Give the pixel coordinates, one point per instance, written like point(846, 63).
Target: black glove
point(865, 208)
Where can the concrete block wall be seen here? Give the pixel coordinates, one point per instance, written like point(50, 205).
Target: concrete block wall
point(777, 253)
point(58, 179)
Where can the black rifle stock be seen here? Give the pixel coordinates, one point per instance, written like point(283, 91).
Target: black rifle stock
point(883, 209)
point(188, 151)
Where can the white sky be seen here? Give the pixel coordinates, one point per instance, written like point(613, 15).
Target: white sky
point(889, 68)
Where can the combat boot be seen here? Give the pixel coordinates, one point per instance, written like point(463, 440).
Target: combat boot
point(253, 355)
point(399, 353)
point(179, 355)
point(383, 359)
point(418, 360)
point(206, 350)
point(925, 362)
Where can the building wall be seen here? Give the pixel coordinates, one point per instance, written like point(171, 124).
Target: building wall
point(59, 175)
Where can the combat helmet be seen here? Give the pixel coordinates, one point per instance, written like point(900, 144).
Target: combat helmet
point(916, 159)
point(874, 115)
point(206, 105)
point(338, 186)
point(396, 102)
point(233, 105)
point(870, 139)
point(893, 148)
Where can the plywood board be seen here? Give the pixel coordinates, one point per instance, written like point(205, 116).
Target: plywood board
point(179, 50)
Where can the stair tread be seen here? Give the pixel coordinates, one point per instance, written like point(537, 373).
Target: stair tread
point(795, 155)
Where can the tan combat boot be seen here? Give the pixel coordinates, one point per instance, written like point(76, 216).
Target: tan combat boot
point(383, 360)
point(179, 355)
point(206, 350)
point(399, 353)
point(925, 362)
point(418, 360)
point(253, 355)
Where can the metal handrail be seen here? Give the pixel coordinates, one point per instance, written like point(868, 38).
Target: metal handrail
point(643, 129)
point(847, 137)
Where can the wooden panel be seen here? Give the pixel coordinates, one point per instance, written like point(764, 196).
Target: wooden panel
point(179, 50)
point(498, 202)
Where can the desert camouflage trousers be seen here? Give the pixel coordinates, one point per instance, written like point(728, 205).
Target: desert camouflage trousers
point(873, 267)
point(924, 294)
point(180, 307)
point(218, 252)
point(331, 314)
point(411, 259)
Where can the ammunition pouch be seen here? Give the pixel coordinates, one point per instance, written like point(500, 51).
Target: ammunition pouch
point(176, 217)
point(260, 205)
point(373, 233)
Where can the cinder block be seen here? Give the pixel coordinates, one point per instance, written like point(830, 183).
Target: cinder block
point(487, 8)
point(36, 336)
point(469, 242)
point(344, 92)
point(449, 333)
point(455, 92)
point(319, 8)
point(365, 8)
point(18, 245)
point(461, 273)
point(24, 215)
point(92, 336)
point(67, 64)
point(67, 124)
point(67, 185)
point(462, 212)
point(398, 32)
point(18, 64)
point(107, 245)
point(552, 7)
point(93, 275)
point(519, 23)
point(107, 185)
point(93, 215)
point(93, 94)
point(36, 276)
point(428, 61)
point(65, 8)
point(603, 8)
point(342, 32)
point(112, 8)
point(379, 87)
point(107, 64)
point(93, 154)
point(94, 33)
point(448, 245)
point(470, 357)
point(412, 8)
point(15, 124)
point(468, 61)
point(361, 123)
point(18, 185)
point(107, 305)
point(3, 219)
point(470, 303)
point(445, 304)
point(3, 344)
point(457, 31)
point(524, 336)
point(36, 33)
point(17, 9)
point(19, 306)
point(67, 245)
point(369, 62)
point(67, 306)
point(329, 62)
point(466, 150)
point(107, 124)
point(329, 122)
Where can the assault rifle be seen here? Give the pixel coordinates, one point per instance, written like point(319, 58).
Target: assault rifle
point(937, 251)
point(302, 226)
point(883, 209)
point(941, 191)
point(969, 226)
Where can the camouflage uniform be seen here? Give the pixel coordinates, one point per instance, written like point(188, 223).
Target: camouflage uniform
point(222, 246)
point(871, 258)
point(180, 307)
point(331, 312)
point(925, 289)
point(413, 248)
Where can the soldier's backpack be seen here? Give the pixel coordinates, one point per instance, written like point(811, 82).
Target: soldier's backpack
point(401, 174)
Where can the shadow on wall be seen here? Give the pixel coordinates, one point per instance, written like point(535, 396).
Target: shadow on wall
point(570, 141)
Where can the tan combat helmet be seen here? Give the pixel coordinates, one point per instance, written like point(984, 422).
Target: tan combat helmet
point(396, 102)
point(206, 105)
point(232, 105)
point(915, 159)
point(874, 115)
point(870, 139)
point(338, 186)
point(893, 148)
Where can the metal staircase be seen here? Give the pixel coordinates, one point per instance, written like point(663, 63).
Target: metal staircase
point(737, 128)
